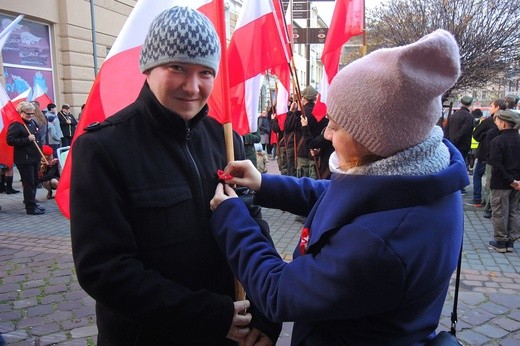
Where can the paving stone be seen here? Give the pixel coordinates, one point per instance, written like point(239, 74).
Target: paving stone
point(84, 332)
point(493, 308)
point(46, 329)
point(33, 292)
point(31, 322)
point(25, 303)
point(470, 337)
point(40, 310)
point(53, 339)
point(515, 315)
point(476, 316)
point(507, 323)
point(491, 331)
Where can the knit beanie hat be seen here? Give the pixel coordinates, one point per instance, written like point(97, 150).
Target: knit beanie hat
point(409, 81)
point(180, 34)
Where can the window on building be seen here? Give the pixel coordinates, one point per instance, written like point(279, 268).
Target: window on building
point(27, 58)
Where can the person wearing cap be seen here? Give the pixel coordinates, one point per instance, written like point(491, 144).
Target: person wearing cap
point(49, 172)
point(54, 133)
point(67, 124)
point(141, 183)
point(305, 165)
point(382, 237)
point(484, 134)
point(26, 155)
point(459, 128)
point(505, 181)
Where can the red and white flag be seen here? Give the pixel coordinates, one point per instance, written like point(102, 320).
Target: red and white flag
point(257, 45)
point(282, 71)
point(119, 80)
point(8, 116)
point(21, 97)
point(40, 96)
point(347, 21)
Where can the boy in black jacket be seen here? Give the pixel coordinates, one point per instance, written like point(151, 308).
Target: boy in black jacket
point(505, 181)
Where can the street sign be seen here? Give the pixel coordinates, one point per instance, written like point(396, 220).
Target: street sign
point(317, 35)
point(314, 35)
point(300, 10)
point(300, 35)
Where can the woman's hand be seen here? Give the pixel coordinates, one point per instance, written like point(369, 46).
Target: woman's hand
point(222, 192)
point(239, 329)
point(244, 174)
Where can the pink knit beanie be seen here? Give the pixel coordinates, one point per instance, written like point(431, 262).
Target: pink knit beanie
point(407, 82)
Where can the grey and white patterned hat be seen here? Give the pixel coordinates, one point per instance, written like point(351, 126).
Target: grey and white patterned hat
point(180, 34)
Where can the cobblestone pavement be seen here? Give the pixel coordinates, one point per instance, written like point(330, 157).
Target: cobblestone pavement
point(41, 302)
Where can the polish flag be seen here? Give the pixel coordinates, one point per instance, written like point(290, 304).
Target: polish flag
point(283, 71)
point(22, 97)
point(9, 115)
point(121, 68)
point(257, 45)
point(40, 96)
point(347, 21)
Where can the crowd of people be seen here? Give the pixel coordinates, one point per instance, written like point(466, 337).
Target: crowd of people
point(35, 141)
point(496, 159)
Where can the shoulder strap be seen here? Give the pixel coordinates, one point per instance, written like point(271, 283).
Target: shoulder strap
point(454, 318)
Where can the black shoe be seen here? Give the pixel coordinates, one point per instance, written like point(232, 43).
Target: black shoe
point(499, 246)
point(11, 191)
point(36, 211)
point(40, 208)
point(487, 214)
point(510, 246)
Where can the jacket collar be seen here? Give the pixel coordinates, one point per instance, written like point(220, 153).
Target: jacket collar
point(163, 118)
point(364, 194)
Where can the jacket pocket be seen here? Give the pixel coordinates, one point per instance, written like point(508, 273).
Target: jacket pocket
point(163, 215)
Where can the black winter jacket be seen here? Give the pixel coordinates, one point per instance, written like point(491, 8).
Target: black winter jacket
point(480, 135)
point(504, 156)
point(140, 190)
point(25, 152)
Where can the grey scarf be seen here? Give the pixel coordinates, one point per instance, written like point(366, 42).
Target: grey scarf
point(428, 157)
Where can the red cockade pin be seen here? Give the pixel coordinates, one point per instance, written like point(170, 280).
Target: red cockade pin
point(223, 176)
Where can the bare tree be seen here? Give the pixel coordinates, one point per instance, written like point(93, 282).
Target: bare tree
point(488, 32)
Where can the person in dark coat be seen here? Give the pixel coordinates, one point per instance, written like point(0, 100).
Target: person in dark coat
point(67, 125)
point(140, 189)
point(505, 181)
point(480, 134)
point(26, 155)
point(382, 237)
point(460, 128)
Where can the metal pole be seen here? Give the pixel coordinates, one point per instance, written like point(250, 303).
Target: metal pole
point(94, 46)
point(308, 46)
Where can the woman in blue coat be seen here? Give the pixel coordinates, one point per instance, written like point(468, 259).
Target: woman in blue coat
point(382, 237)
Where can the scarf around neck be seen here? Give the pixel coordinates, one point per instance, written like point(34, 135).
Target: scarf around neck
point(427, 157)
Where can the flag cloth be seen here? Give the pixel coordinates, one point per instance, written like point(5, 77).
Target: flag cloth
point(257, 45)
point(21, 97)
point(121, 68)
point(8, 116)
point(347, 21)
point(40, 96)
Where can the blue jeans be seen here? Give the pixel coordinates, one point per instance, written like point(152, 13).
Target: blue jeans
point(478, 173)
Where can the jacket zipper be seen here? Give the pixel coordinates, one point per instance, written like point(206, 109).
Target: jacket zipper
point(199, 177)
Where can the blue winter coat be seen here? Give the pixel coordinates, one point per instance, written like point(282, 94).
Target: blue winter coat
point(380, 256)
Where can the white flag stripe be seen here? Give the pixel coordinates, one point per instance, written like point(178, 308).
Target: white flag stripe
point(252, 89)
point(251, 13)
